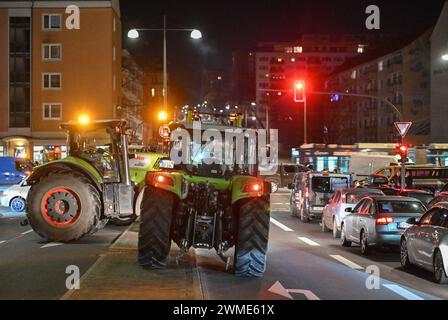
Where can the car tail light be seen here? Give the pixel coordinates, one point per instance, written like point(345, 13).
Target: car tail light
point(254, 187)
point(384, 221)
point(161, 179)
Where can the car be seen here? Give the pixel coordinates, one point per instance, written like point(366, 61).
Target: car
point(441, 197)
point(379, 221)
point(14, 170)
point(311, 192)
point(334, 211)
point(15, 197)
point(425, 243)
point(424, 196)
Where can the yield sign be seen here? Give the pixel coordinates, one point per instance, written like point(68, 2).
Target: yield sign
point(403, 128)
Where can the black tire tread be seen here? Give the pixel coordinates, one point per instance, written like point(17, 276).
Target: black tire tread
point(154, 240)
point(252, 238)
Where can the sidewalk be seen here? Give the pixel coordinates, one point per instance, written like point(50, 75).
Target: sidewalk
point(117, 276)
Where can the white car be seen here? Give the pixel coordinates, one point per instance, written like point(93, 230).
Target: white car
point(334, 212)
point(15, 197)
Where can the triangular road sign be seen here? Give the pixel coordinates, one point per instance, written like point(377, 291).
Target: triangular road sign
point(403, 128)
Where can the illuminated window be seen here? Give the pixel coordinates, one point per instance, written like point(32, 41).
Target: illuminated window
point(360, 49)
point(298, 49)
point(280, 60)
point(293, 60)
point(381, 66)
point(353, 75)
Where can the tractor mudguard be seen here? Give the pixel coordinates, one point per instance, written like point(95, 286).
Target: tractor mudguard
point(69, 163)
point(143, 163)
point(242, 188)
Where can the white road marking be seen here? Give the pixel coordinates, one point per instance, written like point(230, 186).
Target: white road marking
point(52, 244)
point(309, 241)
point(26, 232)
point(402, 292)
point(2, 242)
point(278, 289)
point(281, 225)
point(347, 262)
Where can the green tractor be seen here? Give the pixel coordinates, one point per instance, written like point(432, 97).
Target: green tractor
point(207, 205)
point(96, 183)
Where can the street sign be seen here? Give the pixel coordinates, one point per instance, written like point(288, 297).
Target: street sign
point(403, 128)
point(165, 132)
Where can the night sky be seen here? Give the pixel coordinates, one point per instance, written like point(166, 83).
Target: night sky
point(230, 25)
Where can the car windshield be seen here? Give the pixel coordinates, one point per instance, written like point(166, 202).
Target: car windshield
point(397, 206)
point(353, 198)
point(328, 184)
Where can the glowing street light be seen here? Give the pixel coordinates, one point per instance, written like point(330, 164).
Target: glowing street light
point(445, 57)
point(84, 119)
point(133, 34)
point(162, 116)
point(196, 34)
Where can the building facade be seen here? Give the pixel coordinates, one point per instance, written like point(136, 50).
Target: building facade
point(51, 72)
point(400, 77)
point(439, 79)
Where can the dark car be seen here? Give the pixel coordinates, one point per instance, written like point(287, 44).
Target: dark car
point(285, 175)
point(423, 195)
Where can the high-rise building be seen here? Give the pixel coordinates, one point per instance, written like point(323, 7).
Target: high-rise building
point(51, 71)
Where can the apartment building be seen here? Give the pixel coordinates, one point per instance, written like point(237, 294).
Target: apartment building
point(51, 73)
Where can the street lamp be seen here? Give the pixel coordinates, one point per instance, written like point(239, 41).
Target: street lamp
point(194, 34)
point(445, 57)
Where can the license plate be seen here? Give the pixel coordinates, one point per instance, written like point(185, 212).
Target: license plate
point(404, 225)
point(318, 208)
point(166, 164)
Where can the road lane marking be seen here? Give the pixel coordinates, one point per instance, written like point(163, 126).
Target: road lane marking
point(281, 225)
point(26, 232)
point(347, 262)
point(402, 292)
point(2, 242)
point(52, 244)
point(280, 290)
point(309, 241)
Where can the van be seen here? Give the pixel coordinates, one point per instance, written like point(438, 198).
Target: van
point(14, 170)
point(363, 165)
point(312, 191)
point(285, 174)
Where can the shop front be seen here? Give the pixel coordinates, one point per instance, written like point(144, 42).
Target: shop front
point(17, 147)
point(46, 153)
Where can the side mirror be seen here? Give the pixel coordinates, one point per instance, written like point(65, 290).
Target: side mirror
point(349, 210)
point(412, 221)
point(290, 186)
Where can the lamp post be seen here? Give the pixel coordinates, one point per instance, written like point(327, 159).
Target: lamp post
point(194, 34)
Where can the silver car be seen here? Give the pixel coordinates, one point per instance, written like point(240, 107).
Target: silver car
point(379, 221)
point(425, 244)
point(334, 212)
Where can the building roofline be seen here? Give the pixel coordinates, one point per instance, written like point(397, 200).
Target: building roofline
point(114, 4)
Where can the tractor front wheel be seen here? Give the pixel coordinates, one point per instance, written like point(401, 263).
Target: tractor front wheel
point(154, 239)
point(252, 238)
point(64, 206)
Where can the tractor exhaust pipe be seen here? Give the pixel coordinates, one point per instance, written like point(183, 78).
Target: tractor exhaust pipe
point(127, 171)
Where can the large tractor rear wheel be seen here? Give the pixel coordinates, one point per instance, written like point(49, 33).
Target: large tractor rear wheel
point(64, 206)
point(252, 238)
point(154, 239)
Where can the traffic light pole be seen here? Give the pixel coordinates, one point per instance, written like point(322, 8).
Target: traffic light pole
point(403, 171)
point(305, 131)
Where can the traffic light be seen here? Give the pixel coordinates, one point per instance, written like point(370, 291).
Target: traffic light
point(402, 151)
point(299, 91)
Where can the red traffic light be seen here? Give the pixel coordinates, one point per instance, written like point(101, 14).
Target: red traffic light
point(402, 151)
point(299, 91)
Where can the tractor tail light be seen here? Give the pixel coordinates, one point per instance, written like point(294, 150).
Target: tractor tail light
point(163, 180)
point(254, 187)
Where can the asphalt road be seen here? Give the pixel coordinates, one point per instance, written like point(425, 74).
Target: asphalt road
point(303, 263)
point(31, 269)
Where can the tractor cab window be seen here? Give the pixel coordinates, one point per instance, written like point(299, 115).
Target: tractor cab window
point(97, 149)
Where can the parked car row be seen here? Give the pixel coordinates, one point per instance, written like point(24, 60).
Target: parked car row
point(377, 217)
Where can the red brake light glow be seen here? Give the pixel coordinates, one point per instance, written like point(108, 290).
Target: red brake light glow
point(384, 221)
point(254, 187)
point(161, 179)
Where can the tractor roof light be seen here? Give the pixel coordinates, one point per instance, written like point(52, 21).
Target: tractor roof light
point(84, 120)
